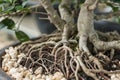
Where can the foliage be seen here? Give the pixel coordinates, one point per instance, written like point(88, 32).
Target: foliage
point(78, 51)
point(9, 23)
point(10, 8)
point(21, 36)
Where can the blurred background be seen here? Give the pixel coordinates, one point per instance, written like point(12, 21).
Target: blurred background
point(28, 25)
point(31, 23)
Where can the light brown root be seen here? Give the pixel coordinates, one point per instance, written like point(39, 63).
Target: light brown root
point(41, 55)
point(109, 36)
point(84, 68)
point(63, 58)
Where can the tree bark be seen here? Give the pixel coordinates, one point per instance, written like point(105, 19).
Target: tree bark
point(52, 14)
point(85, 23)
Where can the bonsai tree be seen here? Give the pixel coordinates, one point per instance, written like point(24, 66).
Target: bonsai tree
point(75, 48)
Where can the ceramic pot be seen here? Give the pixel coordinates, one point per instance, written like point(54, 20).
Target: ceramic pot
point(3, 75)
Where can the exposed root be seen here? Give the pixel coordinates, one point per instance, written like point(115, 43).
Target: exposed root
point(60, 53)
point(58, 45)
point(49, 53)
point(90, 64)
point(61, 56)
point(109, 36)
point(85, 69)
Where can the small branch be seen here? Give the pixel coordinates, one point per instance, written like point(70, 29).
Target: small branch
point(66, 14)
point(65, 11)
point(12, 14)
point(105, 71)
point(20, 21)
point(53, 15)
point(19, 12)
point(40, 13)
point(92, 7)
point(101, 45)
point(43, 18)
point(85, 68)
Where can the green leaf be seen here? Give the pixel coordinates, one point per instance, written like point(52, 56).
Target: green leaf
point(116, 1)
point(21, 36)
point(24, 3)
point(115, 8)
point(10, 1)
point(55, 1)
point(9, 23)
point(82, 1)
point(8, 9)
point(18, 8)
point(0, 9)
point(1, 1)
point(2, 25)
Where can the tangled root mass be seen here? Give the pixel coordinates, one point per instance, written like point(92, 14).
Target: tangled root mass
point(52, 58)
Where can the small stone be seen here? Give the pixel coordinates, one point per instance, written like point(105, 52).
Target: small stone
point(38, 76)
point(18, 75)
point(114, 66)
point(38, 71)
point(13, 70)
point(43, 76)
point(5, 69)
point(115, 77)
point(26, 78)
point(57, 76)
point(49, 77)
point(12, 51)
point(63, 79)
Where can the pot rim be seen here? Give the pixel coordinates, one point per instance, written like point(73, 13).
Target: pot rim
point(3, 75)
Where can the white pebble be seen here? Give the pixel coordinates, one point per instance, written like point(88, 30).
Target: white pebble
point(115, 77)
point(38, 70)
point(13, 70)
point(57, 76)
point(17, 75)
point(12, 51)
point(49, 77)
point(26, 78)
point(10, 65)
point(63, 79)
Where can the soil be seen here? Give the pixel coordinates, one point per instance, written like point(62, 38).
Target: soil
point(43, 53)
